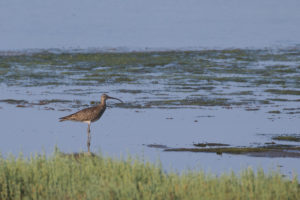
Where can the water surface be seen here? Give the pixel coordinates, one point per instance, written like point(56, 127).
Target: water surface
point(241, 97)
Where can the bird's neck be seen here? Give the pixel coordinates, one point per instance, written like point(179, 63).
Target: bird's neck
point(103, 103)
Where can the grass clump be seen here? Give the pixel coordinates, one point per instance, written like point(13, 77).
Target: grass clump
point(260, 151)
point(283, 92)
point(210, 144)
point(230, 150)
point(97, 177)
point(274, 112)
point(287, 138)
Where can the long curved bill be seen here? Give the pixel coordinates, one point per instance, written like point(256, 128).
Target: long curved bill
point(114, 98)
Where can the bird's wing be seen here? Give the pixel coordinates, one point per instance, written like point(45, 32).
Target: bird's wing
point(82, 115)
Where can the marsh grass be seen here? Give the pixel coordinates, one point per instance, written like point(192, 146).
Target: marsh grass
point(293, 138)
point(97, 177)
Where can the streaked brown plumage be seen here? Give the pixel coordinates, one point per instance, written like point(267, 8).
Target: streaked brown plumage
point(90, 114)
point(87, 115)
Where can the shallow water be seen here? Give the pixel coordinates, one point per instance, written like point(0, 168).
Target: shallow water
point(240, 97)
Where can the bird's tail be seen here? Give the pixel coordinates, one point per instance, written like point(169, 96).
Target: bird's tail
point(63, 119)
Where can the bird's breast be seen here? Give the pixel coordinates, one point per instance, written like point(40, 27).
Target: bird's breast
point(99, 113)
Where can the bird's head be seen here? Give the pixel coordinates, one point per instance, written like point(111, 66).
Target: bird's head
point(104, 97)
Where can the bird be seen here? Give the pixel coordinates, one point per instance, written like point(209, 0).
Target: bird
point(89, 115)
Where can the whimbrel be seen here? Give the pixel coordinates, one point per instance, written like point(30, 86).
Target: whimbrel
point(89, 115)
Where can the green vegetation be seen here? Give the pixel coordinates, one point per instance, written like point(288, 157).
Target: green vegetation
point(292, 138)
point(260, 151)
point(230, 77)
point(14, 101)
point(210, 144)
point(278, 99)
point(274, 112)
point(96, 177)
point(231, 150)
point(283, 92)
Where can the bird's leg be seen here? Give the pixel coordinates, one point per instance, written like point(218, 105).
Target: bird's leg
point(89, 138)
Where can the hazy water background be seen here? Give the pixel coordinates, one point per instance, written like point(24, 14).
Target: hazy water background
point(135, 24)
point(79, 50)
